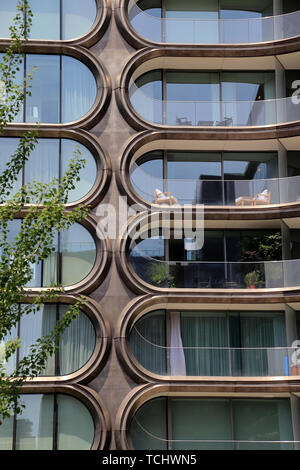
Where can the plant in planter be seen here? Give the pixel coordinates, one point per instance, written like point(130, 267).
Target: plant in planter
point(252, 279)
point(160, 275)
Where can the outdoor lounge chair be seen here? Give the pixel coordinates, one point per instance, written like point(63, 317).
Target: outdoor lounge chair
point(262, 198)
point(164, 197)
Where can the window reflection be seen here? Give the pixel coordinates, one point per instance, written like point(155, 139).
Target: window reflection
point(34, 429)
point(72, 260)
point(213, 424)
point(213, 21)
point(63, 89)
point(52, 19)
point(215, 178)
point(49, 160)
point(205, 98)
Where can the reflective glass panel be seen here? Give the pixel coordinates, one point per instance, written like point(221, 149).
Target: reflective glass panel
point(34, 426)
point(43, 104)
point(79, 89)
point(77, 17)
point(46, 19)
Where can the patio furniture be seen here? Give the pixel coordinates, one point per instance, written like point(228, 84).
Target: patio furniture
point(183, 121)
point(226, 122)
point(262, 198)
point(244, 201)
point(164, 197)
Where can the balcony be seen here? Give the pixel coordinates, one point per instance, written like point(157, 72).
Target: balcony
point(217, 275)
point(206, 27)
point(253, 113)
point(237, 193)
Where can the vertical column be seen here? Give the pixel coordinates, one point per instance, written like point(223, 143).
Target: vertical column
point(291, 335)
point(278, 26)
point(283, 186)
point(295, 409)
point(280, 88)
point(277, 7)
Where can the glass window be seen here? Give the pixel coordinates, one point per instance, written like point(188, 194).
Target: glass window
point(146, 95)
point(211, 343)
point(55, 96)
point(194, 178)
point(290, 6)
point(77, 343)
point(79, 89)
point(148, 342)
point(147, 174)
point(207, 419)
point(148, 25)
point(205, 330)
point(78, 254)
point(77, 17)
point(46, 19)
point(148, 429)
point(49, 160)
point(34, 429)
point(235, 9)
point(43, 163)
point(87, 175)
point(52, 19)
point(8, 11)
point(293, 162)
point(208, 177)
point(43, 104)
point(213, 424)
point(180, 28)
point(262, 420)
point(75, 346)
point(75, 426)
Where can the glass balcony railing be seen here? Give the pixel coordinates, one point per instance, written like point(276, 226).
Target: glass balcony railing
point(159, 443)
point(198, 361)
point(239, 193)
point(213, 31)
point(217, 275)
point(215, 113)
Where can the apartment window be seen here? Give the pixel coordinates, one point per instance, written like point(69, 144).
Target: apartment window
point(199, 343)
point(49, 422)
point(205, 177)
point(205, 98)
point(63, 89)
point(52, 19)
point(49, 160)
point(213, 424)
point(75, 346)
point(72, 260)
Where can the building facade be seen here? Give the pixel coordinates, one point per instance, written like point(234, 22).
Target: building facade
point(182, 112)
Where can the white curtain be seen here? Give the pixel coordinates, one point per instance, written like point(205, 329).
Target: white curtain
point(177, 359)
point(77, 343)
point(79, 89)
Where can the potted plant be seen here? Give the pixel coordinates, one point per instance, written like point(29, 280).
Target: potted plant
point(252, 279)
point(161, 276)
